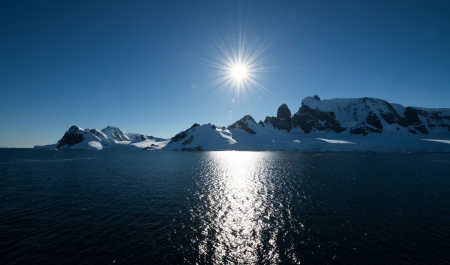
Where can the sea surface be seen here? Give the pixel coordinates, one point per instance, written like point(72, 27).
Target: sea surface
point(162, 207)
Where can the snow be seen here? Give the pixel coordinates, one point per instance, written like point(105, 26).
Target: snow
point(349, 113)
point(439, 141)
point(268, 138)
point(115, 134)
point(205, 136)
point(335, 141)
point(95, 144)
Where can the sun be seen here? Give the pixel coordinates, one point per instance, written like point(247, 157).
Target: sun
point(239, 72)
point(240, 69)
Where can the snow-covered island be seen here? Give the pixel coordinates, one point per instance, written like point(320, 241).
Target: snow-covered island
point(356, 124)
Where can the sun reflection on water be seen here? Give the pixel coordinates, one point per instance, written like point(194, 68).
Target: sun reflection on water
point(237, 211)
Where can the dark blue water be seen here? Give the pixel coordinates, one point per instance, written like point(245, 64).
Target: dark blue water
point(132, 207)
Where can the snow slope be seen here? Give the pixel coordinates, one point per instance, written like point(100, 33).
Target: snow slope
point(202, 138)
point(355, 124)
point(109, 138)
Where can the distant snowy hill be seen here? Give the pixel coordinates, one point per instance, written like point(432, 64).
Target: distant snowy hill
point(109, 138)
point(357, 124)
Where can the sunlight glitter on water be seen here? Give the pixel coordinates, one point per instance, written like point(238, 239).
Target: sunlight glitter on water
point(237, 210)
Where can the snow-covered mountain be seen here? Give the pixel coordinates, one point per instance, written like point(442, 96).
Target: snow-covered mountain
point(109, 138)
point(115, 134)
point(358, 124)
point(368, 115)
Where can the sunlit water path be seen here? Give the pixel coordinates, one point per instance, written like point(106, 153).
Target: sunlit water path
point(65, 207)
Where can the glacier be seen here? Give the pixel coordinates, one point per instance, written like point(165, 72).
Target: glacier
point(350, 124)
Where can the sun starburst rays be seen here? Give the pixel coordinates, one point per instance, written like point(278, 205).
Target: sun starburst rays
point(239, 70)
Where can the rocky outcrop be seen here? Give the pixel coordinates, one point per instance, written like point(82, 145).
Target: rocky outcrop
point(389, 114)
point(182, 135)
point(283, 121)
point(412, 119)
point(97, 133)
point(244, 124)
point(372, 124)
point(198, 148)
point(115, 134)
point(373, 120)
point(309, 119)
point(73, 136)
point(368, 115)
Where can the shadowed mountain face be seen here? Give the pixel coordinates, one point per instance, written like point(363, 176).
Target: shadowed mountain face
point(367, 115)
point(309, 120)
point(372, 124)
point(71, 137)
point(183, 135)
point(359, 116)
point(354, 116)
point(283, 121)
point(244, 124)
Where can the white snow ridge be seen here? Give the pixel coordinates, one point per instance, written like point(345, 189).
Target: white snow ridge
point(358, 124)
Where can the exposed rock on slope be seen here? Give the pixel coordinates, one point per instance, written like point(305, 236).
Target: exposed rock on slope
point(314, 119)
point(201, 137)
point(319, 125)
point(245, 123)
point(115, 133)
point(73, 136)
point(367, 115)
point(283, 121)
point(372, 124)
point(79, 138)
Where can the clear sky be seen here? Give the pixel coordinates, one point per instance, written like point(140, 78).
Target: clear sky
point(154, 67)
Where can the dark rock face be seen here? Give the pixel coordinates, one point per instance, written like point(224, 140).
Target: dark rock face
point(371, 125)
point(71, 137)
point(198, 148)
point(434, 119)
point(93, 132)
point(391, 116)
point(180, 136)
point(283, 121)
point(188, 141)
point(363, 129)
point(284, 115)
point(412, 119)
point(373, 120)
point(243, 124)
point(312, 119)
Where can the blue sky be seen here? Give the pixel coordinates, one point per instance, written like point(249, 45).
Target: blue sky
point(151, 66)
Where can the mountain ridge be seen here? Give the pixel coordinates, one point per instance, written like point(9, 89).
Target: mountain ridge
point(369, 124)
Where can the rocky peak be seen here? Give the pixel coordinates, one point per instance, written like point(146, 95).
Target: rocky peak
point(73, 129)
point(284, 112)
point(182, 135)
point(283, 121)
point(312, 118)
point(194, 125)
point(245, 123)
point(73, 136)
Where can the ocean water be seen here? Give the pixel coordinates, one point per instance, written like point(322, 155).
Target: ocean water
point(142, 207)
